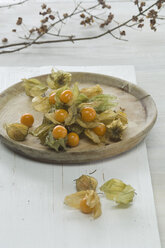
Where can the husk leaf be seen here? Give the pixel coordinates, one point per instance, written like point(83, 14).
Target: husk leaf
point(58, 79)
point(104, 102)
point(41, 104)
point(92, 136)
point(42, 131)
point(115, 130)
point(81, 98)
point(118, 191)
point(56, 144)
point(87, 124)
point(51, 118)
point(72, 113)
point(92, 200)
point(34, 87)
point(75, 128)
point(86, 182)
point(92, 91)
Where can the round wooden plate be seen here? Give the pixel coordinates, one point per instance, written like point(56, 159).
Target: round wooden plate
point(138, 104)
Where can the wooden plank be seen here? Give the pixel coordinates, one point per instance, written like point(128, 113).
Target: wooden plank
point(32, 210)
point(144, 49)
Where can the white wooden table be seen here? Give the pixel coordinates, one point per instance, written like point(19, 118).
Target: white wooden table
point(145, 50)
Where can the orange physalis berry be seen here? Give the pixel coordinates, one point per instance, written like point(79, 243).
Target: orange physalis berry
point(100, 129)
point(84, 208)
point(73, 139)
point(59, 132)
point(88, 114)
point(66, 96)
point(27, 119)
point(61, 115)
point(52, 98)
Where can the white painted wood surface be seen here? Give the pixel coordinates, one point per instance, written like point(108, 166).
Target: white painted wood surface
point(145, 50)
point(32, 193)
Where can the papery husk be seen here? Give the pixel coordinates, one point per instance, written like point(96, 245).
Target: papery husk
point(123, 117)
point(81, 98)
point(58, 79)
point(107, 116)
point(17, 131)
point(75, 128)
point(126, 196)
point(58, 104)
point(75, 92)
point(34, 87)
point(88, 104)
point(92, 91)
point(84, 124)
point(92, 200)
point(74, 200)
point(51, 118)
point(92, 136)
point(55, 144)
point(104, 102)
point(115, 130)
point(41, 104)
point(42, 131)
point(72, 114)
point(86, 182)
point(118, 191)
point(112, 187)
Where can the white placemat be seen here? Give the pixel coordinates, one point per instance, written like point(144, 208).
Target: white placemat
point(31, 193)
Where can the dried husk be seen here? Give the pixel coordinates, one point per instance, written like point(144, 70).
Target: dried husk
point(72, 114)
point(123, 117)
point(118, 191)
point(104, 102)
point(86, 182)
point(42, 131)
point(88, 104)
point(115, 130)
point(58, 103)
point(92, 91)
point(84, 124)
point(74, 200)
point(41, 104)
point(81, 98)
point(92, 200)
point(107, 116)
point(75, 128)
point(92, 136)
point(17, 131)
point(58, 79)
point(34, 87)
point(51, 118)
point(55, 144)
point(75, 92)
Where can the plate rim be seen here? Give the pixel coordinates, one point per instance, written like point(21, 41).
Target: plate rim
point(17, 146)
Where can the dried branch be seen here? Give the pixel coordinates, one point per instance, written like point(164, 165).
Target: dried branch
point(13, 4)
point(61, 36)
point(87, 18)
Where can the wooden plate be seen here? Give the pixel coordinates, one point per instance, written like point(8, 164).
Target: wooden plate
point(138, 104)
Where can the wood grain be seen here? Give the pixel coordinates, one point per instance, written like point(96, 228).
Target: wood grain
point(32, 193)
point(144, 49)
point(139, 106)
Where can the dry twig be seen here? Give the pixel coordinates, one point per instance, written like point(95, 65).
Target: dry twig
point(87, 18)
point(13, 4)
